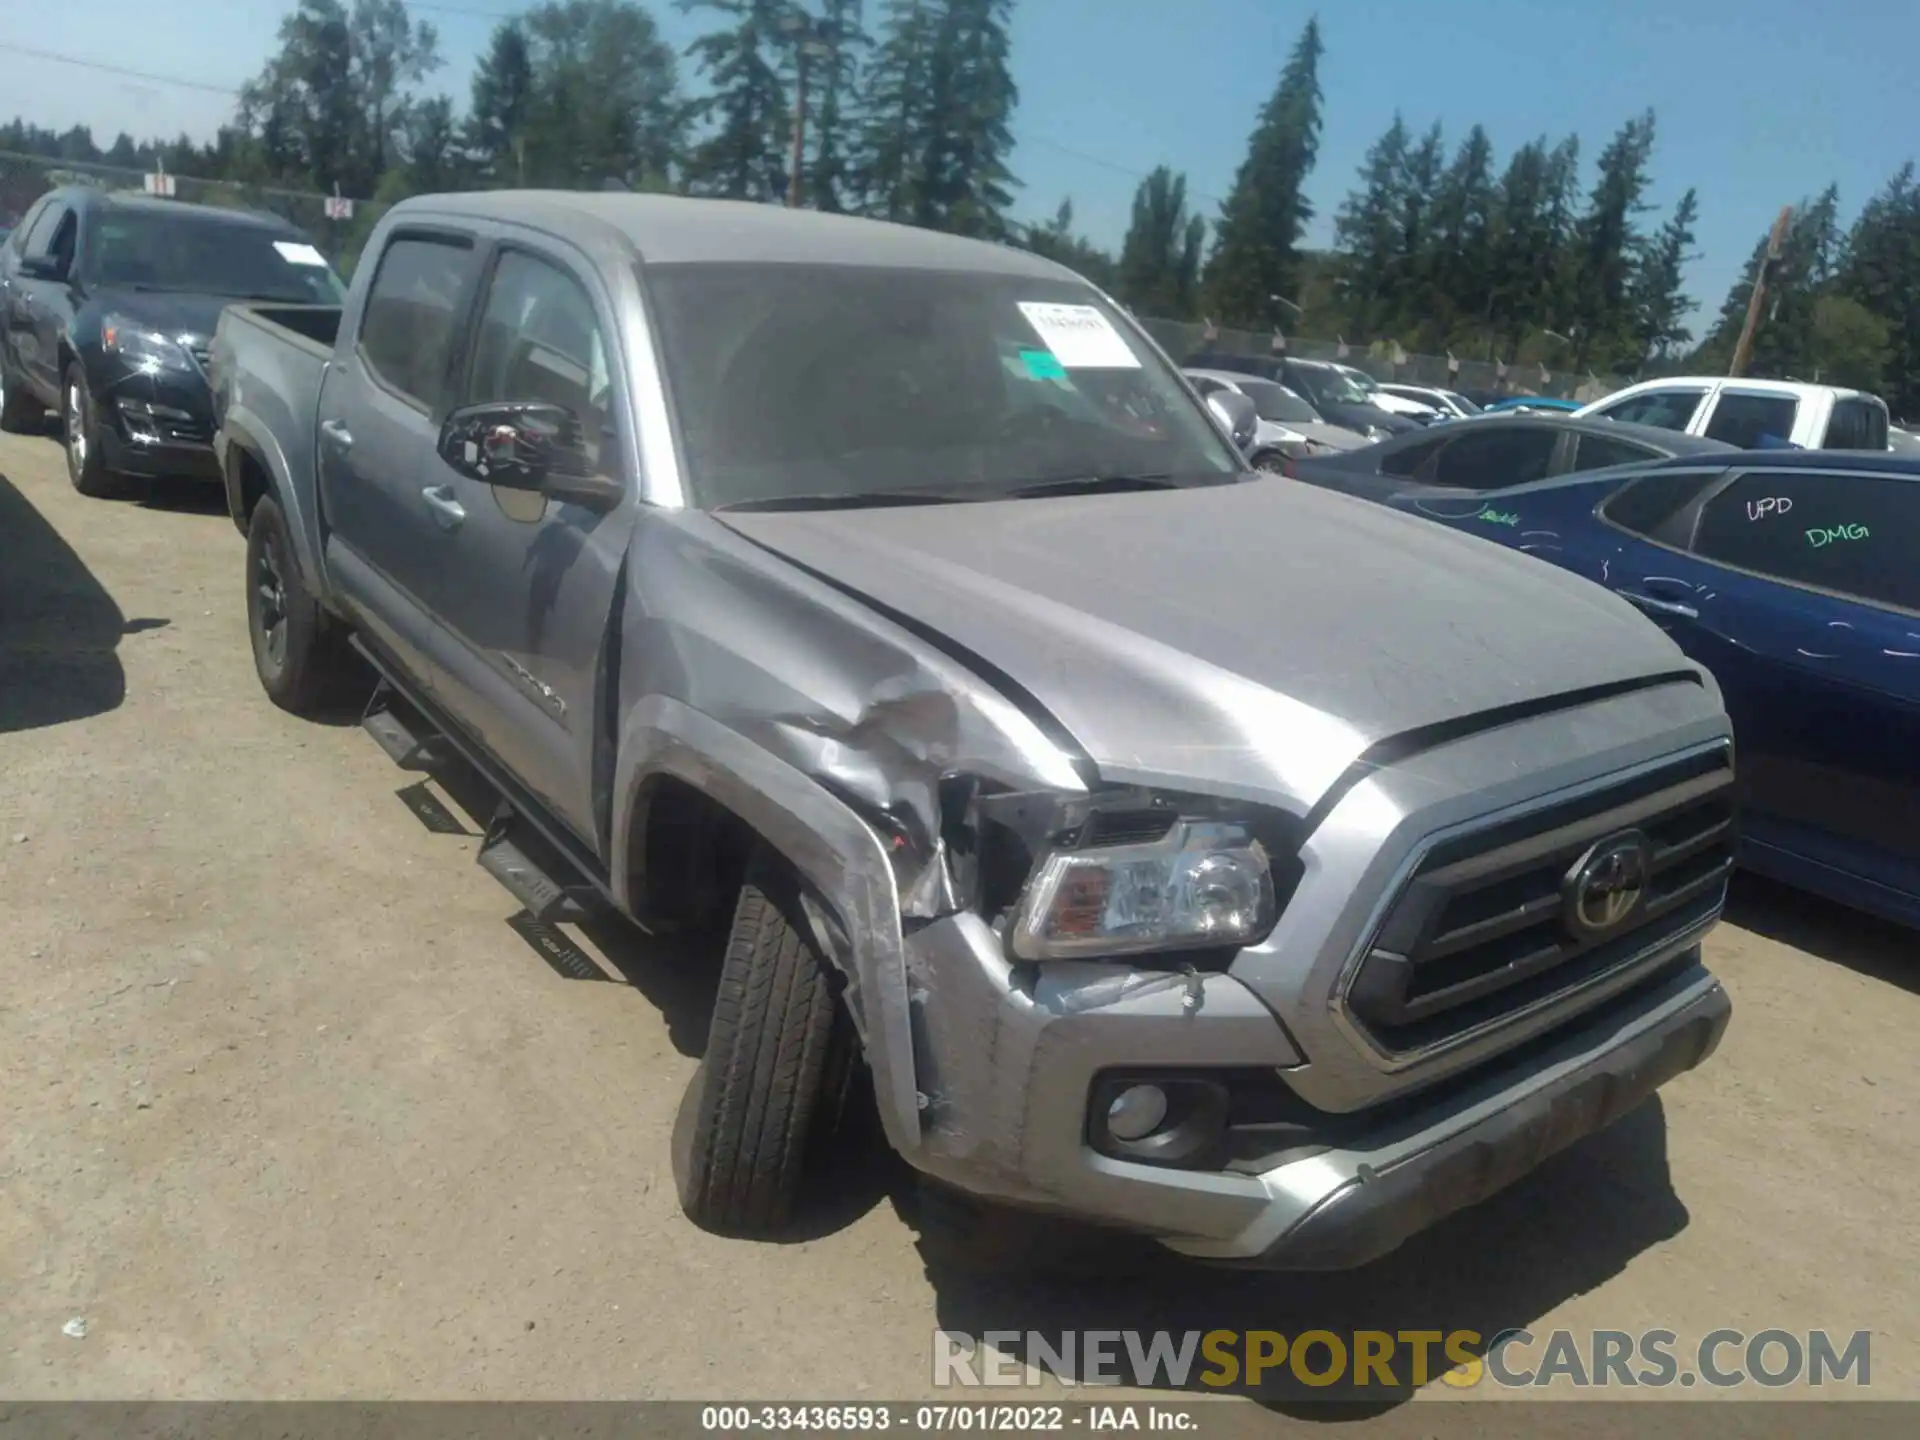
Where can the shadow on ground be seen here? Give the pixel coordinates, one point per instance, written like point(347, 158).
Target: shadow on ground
point(60, 629)
point(1562, 1230)
point(1878, 949)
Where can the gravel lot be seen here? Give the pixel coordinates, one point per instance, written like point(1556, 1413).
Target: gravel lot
point(288, 1109)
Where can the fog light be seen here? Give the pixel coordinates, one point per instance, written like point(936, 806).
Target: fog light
point(1136, 1112)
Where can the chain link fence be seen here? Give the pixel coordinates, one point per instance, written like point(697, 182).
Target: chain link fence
point(25, 178)
point(1387, 362)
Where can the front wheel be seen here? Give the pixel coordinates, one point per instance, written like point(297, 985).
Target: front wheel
point(80, 429)
point(778, 1053)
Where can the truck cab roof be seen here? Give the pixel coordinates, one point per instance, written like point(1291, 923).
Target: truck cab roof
point(675, 230)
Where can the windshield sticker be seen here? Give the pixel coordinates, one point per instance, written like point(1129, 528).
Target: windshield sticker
point(295, 253)
point(1043, 365)
point(1498, 517)
point(1773, 505)
point(1080, 337)
point(1818, 538)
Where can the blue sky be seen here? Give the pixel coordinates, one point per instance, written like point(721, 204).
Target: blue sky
point(1759, 102)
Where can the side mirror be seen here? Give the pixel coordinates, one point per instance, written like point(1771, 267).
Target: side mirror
point(1235, 411)
point(526, 445)
point(43, 267)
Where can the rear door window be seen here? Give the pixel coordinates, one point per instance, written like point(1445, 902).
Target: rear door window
point(408, 327)
point(40, 237)
point(1494, 458)
point(1752, 421)
point(1855, 535)
point(1654, 505)
point(1596, 452)
point(1409, 459)
point(1857, 424)
point(1668, 409)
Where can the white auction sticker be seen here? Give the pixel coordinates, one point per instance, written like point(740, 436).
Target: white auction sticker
point(295, 253)
point(1080, 337)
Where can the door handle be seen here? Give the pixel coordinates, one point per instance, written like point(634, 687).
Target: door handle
point(447, 511)
point(1653, 605)
point(337, 433)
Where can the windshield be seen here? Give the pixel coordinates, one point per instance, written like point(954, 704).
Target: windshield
point(1277, 403)
point(1329, 386)
point(168, 250)
point(814, 381)
point(1460, 402)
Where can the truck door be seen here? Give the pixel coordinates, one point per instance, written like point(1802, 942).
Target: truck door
point(528, 582)
point(379, 417)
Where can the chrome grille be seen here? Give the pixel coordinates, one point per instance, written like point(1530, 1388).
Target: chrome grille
point(1486, 925)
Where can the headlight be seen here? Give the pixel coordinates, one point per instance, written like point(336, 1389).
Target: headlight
point(1206, 884)
point(143, 348)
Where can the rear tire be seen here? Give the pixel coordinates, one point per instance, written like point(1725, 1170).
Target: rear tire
point(299, 654)
point(776, 1047)
point(20, 413)
point(80, 434)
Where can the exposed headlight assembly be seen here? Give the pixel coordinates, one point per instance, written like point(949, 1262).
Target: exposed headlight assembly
point(1204, 885)
point(1130, 872)
point(144, 348)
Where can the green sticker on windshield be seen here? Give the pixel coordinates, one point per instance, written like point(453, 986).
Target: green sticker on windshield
point(1043, 365)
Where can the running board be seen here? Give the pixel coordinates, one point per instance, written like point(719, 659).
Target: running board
point(528, 881)
point(406, 748)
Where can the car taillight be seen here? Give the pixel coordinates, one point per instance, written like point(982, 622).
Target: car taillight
point(1288, 467)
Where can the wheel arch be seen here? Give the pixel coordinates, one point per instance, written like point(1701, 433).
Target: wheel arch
point(849, 886)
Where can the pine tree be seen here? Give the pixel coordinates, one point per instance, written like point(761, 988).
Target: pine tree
point(1660, 303)
point(1411, 283)
point(1256, 249)
point(1608, 242)
point(886, 161)
point(744, 155)
point(1462, 224)
point(1881, 273)
point(501, 106)
point(837, 75)
point(963, 184)
point(1367, 233)
point(1057, 242)
point(1159, 273)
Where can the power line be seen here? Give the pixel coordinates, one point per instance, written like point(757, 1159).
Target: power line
point(118, 70)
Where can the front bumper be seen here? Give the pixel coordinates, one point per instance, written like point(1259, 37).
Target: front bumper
point(1011, 1065)
point(157, 425)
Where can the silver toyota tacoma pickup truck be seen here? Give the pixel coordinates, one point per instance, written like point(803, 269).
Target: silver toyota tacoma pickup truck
point(1193, 853)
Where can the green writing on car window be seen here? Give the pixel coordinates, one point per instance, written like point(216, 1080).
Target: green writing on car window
point(1498, 517)
point(1818, 538)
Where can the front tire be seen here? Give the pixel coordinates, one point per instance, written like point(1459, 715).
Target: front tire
point(80, 434)
point(298, 653)
point(776, 1047)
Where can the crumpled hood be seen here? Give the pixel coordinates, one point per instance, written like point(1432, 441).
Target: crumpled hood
point(1248, 639)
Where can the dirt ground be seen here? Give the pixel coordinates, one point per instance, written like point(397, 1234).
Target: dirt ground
point(288, 1109)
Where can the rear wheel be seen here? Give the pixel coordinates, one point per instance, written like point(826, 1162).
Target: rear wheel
point(300, 656)
point(779, 1055)
point(80, 429)
point(1270, 461)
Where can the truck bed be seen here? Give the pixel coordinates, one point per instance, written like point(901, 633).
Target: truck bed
point(267, 365)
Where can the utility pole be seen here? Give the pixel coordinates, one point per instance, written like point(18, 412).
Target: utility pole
point(799, 128)
point(1743, 352)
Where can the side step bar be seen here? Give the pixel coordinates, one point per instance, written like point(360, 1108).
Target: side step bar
point(513, 852)
point(407, 749)
point(503, 855)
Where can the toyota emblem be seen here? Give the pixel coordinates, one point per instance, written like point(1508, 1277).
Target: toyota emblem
point(1608, 885)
